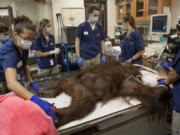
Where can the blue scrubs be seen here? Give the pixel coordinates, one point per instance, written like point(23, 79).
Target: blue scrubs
point(90, 40)
point(130, 46)
point(4, 40)
point(176, 85)
point(43, 45)
point(11, 58)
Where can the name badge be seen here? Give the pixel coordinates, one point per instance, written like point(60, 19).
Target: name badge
point(51, 43)
point(18, 77)
point(19, 64)
point(51, 62)
point(86, 33)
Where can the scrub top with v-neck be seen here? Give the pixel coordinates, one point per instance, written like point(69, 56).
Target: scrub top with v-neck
point(11, 58)
point(6, 38)
point(90, 40)
point(44, 45)
point(130, 45)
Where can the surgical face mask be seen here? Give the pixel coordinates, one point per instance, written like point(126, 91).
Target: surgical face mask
point(25, 44)
point(123, 28)
point(49, 30)
point(93, 19)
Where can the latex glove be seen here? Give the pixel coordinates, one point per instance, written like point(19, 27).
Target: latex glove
point(129, 61)
point(55, 51)
point(117, 58)
point(103, 58)
point(162, 82)
point(34, 87)
point(47, 107)
point(165, 66)
point(79, 60)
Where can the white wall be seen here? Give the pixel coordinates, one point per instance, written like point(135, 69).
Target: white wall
point(33, 10)
point(175, 11)
point(45, 11)
point(38, 11)
point(58, 5)
point(28, 9)
point(5, 3)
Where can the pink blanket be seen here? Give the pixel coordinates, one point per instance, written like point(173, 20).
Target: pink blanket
point(22, 117)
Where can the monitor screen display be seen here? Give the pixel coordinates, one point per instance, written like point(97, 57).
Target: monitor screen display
point(160, 24)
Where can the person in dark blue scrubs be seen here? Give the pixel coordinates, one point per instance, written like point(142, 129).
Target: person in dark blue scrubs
point(173, 77)
point(90, 40)
point(14, 60)
point(46, 50)
point(132, 44)
point(4, 33)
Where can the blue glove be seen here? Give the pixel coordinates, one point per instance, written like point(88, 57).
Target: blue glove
point(45, 106)
point(129, 61)
point(165, 66)
point(103, 58)
point(34, 87)
point(162, 82)
point(79, 60)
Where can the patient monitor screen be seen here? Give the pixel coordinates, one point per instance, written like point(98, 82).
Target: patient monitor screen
point(159, 24)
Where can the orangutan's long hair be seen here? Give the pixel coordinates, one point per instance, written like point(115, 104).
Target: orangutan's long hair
point(104, 82)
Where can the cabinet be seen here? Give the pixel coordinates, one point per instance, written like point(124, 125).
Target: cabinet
point(123, 8)
point(141, 10)
point(156, 7)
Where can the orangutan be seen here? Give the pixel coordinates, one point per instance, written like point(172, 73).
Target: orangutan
point(103, 82)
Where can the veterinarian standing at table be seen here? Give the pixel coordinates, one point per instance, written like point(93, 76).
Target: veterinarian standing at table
point(173, 77)
point(46, 51)
point(13, 60)
point(90, 40)
point(132, 44)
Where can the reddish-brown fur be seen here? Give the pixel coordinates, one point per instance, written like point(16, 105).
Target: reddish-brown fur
point(104, 82)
